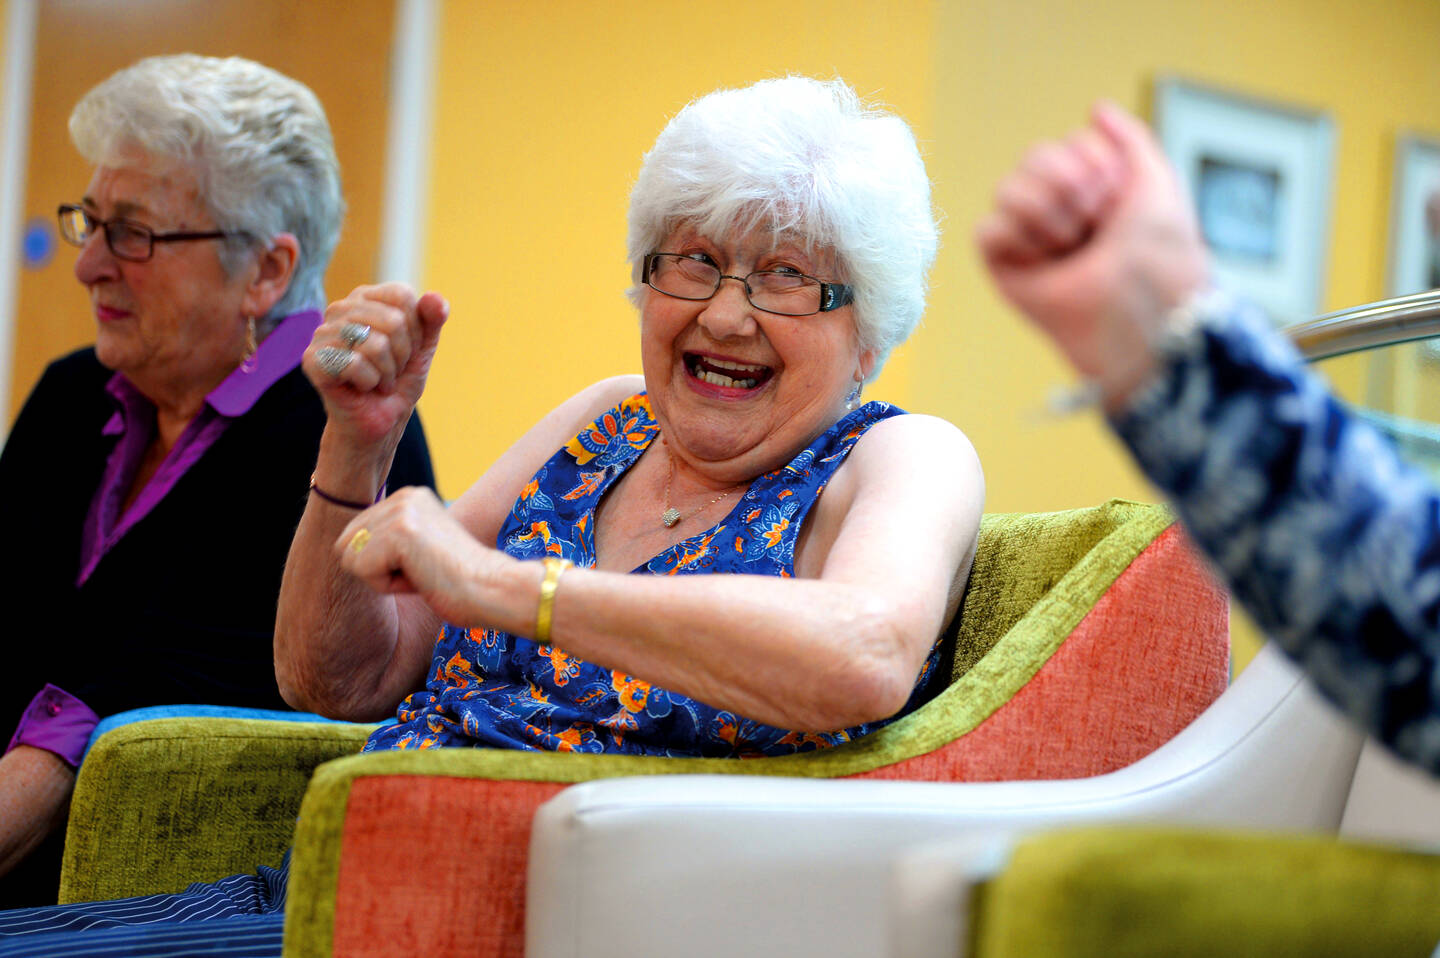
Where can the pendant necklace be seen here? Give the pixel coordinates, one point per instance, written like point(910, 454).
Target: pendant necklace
point(671, 517)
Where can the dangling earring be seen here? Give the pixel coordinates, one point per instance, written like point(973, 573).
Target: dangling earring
point(247, 364)
point(851, 399)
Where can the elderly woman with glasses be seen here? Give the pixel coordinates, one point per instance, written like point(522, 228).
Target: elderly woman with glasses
point(652, 568)
point(156, 478)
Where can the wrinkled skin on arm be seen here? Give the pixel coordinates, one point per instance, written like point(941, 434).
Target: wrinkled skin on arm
point(35, 787)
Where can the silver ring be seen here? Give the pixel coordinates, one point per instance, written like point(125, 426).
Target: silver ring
point(333, 360)
point(353, 334)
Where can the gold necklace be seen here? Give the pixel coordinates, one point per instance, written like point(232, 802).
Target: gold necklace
point(671, 516)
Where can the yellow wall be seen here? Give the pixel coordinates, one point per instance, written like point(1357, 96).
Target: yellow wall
point(542, 116)
point(1009, 73)
point(544, 110)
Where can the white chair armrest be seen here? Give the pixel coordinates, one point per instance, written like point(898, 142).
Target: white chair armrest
point(1391, 800)
point(726, 865)
point(930, 893)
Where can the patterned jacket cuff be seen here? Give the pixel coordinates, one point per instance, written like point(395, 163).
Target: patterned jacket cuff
point(57, 722)
point(1181, 343)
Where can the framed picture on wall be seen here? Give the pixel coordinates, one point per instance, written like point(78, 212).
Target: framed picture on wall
point(1260, 175)
point(1414, 258)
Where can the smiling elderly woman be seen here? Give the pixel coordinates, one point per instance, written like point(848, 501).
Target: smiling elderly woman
point(155, 480)
point(653, 568)
point(781, 236)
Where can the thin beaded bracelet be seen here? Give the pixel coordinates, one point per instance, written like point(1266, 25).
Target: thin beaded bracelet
point(347, 503)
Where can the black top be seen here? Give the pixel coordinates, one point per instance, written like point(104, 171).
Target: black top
point(182, 608)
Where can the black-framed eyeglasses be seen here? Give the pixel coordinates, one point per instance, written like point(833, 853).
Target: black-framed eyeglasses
point(127, 239)
point(784, 292)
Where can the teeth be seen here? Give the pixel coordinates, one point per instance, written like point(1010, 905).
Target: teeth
point(727, 364)
point(715, 379)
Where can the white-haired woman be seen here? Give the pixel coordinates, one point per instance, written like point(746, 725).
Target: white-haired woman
point(667, 533)
point(780, 235)
point(156, 479)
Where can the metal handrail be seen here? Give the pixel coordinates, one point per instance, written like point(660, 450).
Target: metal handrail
point(1399, 320)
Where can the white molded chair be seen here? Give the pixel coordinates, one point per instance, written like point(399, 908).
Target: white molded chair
point(731, 865)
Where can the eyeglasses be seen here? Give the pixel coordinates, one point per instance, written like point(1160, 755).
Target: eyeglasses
point(127, 239)
point(784, 292)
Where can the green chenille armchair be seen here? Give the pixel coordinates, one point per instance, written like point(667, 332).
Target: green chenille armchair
point(1098, 622)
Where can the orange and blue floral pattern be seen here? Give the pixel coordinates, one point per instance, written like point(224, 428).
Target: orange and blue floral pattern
point(501, 690)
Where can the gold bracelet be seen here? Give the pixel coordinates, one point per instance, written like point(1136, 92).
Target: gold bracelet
point(548, 587)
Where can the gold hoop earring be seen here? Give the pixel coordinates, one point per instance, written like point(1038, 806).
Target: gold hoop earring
point(252, 345)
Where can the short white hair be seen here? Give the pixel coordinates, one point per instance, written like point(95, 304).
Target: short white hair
point(805, 159)
point(257, 140)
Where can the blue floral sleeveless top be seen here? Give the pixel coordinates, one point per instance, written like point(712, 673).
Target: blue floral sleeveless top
point(500, 690)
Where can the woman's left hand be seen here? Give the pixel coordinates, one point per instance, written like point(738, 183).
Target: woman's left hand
point(410, 543)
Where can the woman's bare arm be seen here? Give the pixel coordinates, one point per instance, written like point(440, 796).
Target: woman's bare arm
point(335, 639)
point(827, 652)
point(35, 787)
point(346, 650)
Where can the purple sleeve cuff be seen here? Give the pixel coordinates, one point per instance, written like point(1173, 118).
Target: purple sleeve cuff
point(58, 722)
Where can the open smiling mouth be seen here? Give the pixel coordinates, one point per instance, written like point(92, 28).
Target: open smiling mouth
point(727, 374)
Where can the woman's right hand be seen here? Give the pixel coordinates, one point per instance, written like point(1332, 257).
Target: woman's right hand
point(370, 387)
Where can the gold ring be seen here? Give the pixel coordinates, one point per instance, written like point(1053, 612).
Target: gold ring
point(359, 540)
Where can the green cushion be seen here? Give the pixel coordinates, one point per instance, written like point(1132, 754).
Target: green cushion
point(1118, 892)
point(1022, 556)
point(163, 803)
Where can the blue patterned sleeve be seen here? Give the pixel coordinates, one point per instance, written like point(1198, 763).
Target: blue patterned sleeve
point(1327, 538)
